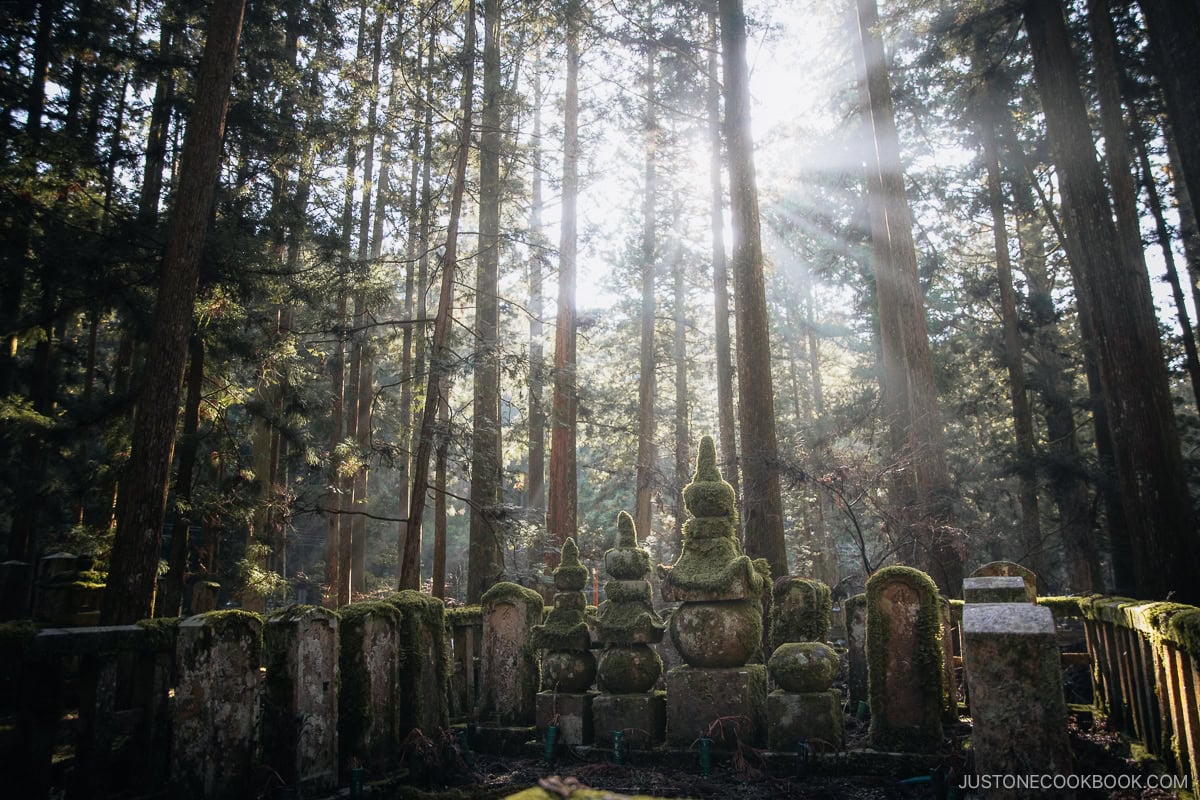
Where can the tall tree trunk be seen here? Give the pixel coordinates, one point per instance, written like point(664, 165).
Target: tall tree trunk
point(486, 562)
point(537, 373)
point(1146, 443)
point(168, 601)
point(439, 363)
point(563, 495)
point(1022, 413)
point(130, 592)
point(1189, 230)
point(679, 355)
point(1174, 32)
point(1191, 359)
point(726, 421)
point(438, 578)
point(902, 315)
point(762, 502)
point(647, 451)
point(160, 124)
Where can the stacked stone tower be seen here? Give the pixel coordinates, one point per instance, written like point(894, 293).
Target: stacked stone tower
point(627, 624)
point(568, 666)
point(718, 627)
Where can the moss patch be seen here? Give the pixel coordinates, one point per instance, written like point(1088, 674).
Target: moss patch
point(803, 666)
point(1184, 630)
point(1062, 607)
point(505, 591)
point(462, 616)
point(801, 611)
point(354, 696)
point(422, 613)
point(161, 633)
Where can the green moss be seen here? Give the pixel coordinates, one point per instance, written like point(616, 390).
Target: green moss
point(628, 592)
point(222, 621)
point(422, 612)
point(927, 660)
point(1061, 607)
point(570, 575)
point(803, 666)
point(16, 636)
point(161, 633)
point(626, 531)
point(627, 622)
point(1183, 629)
point(801, 611)
point(462, 616)
point(92, 576)
point(505, 591)
point(86, 586)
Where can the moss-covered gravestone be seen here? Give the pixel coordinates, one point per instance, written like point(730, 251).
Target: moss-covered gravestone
point(299, 732)
point(718, 626)
point(998, 589)
point(1019, 716)
point(568, 666)
point(803, 707)
point(423, 649)
point(905, 660)
point(509, 670)
point(627, 625)
point(217, 704)
point(856, 644)
point(1010, 569)
point(369, 695)
point(800, 612)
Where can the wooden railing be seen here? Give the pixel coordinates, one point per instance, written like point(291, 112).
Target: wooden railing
point(1145, 660)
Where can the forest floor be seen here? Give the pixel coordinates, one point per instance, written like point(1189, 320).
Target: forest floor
point(748, 774)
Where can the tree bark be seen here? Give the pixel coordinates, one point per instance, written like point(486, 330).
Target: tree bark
point(1146, 443)
point(726, 421)
point(902, 315)
point(563, 495)
point(647, 454)
point(439, 363)
point(537, 377)
point(130, 592)
point(762, 502)
point(485, 564)
point(679, 354)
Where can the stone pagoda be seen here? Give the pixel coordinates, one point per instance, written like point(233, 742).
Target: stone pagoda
point(627, 625)
point(718, 627)
point(568, 666)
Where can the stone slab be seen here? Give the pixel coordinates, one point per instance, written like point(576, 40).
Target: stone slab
point(1017, 707)
point(812, 717)
point(856, 644)
point(641, 717)
point(699, 697)
point(1010, 568)
point(998, 589)
point(573, 713)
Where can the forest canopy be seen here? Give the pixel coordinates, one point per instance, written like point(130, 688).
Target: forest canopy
point(347, 296)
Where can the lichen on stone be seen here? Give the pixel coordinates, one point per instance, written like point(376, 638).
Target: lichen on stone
point(566, 625)
point(627, 616)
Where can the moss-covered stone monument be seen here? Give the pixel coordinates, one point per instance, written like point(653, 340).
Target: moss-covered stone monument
point(568, 666)
point(718, 626)
point(628, 625)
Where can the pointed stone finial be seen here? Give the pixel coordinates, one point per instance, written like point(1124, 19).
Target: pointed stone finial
point(570, 554)
point(706, 461)
point(626, 532)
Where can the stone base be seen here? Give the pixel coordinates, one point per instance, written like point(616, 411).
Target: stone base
point(696, 698)
point(574, 713)
point(504, 740)
point(642, 717)
point(813, 717)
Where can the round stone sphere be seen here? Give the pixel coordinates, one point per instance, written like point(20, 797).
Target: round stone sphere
point(803, 666)
point(717, 634)
point(629, 668)
point(569, 671)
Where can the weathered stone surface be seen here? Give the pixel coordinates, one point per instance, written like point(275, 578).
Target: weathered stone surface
point(627, 615)
point(812, 717)
point(633, 668)
point(950, 699)
point(995, 590)
point(717, 634)
point(369, 661)
point(803, 666)
point(571, 711)
point(509, 670)
point(424, 653)
point(856, 643)
point(300, 710)
point(641, 717)
point(800, 612)
point(905, 660)
point(568, 670)
point(1017, 707)
point(995, 569)
point(217, 704)
point(698, 698)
